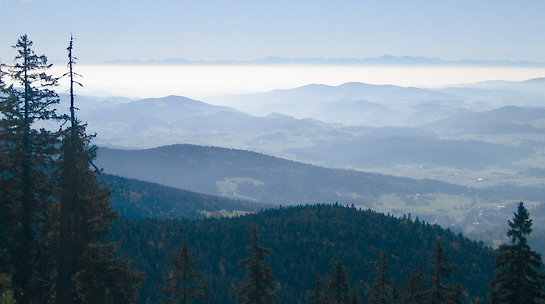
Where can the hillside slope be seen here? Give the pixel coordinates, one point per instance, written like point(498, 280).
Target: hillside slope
point(257, 177)
point(244, 174)
point(305, 241)
point(139, 199)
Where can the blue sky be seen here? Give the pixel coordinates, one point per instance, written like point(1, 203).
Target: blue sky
point(216, 30)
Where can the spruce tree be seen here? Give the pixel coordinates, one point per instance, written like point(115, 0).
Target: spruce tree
point(259, 285)
point(185, 284)
point(518, 277)
point(382, 287)
point(28, 185)
point(88, 270)
point(440, 291)
point(318, 292)
point(70, 243)
point(338, 288)
point(413, 292)
point(106, 278)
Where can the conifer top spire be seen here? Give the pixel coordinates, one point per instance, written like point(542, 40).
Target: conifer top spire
point(518, 277)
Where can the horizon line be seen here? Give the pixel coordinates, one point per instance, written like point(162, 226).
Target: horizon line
point(384, 60)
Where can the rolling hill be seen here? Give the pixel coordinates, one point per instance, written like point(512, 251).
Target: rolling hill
point(399, 106)
point(245, 174)
point(384, 105)
point(305, 241)
point(256, 177)
point(459, 133)
point(507, 120)
point(447, 130)
point(386, 147)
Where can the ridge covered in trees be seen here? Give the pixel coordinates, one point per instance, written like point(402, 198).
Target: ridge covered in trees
point(305, 241)
point(280, 181)
point(138, 199)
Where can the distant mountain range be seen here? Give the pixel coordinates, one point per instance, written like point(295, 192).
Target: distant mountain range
point(382, 60)
point(500, 121)
point(535, 84)
point(432, 128)
point(490, 136)
point(483, 135)
point(387, 105)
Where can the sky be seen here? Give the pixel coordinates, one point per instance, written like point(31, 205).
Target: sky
point(108, 30)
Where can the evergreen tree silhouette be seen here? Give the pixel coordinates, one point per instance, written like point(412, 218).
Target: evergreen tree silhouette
point(185, 284)
point(382, 287)
point(28, 187)
point(338, 288)
point(413, 292)
point(440, 291)
point(85, 219)
point(259, 285)
point(518, 277)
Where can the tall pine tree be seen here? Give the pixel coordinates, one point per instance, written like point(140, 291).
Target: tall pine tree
point(185, 284)
point(413, 292)
point(338, 288)
point(440, 291)
point(518, 277)
point(28, 184)
point(88, 270)
point(382, 286)
point(259, 285)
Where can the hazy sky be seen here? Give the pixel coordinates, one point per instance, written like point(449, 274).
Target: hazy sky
point(210, 30)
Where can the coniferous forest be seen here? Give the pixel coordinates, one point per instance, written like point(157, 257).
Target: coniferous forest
point(62, 242)
point(305, 241)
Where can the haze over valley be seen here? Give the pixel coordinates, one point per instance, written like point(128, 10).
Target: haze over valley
point(481, 134)
point(486, 140)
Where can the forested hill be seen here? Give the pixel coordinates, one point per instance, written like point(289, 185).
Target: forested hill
point(244, 174)
point(305, 241)
point(139, 199)
point(254, 176)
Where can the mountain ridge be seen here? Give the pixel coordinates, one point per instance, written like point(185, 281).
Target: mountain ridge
point(305, 241)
